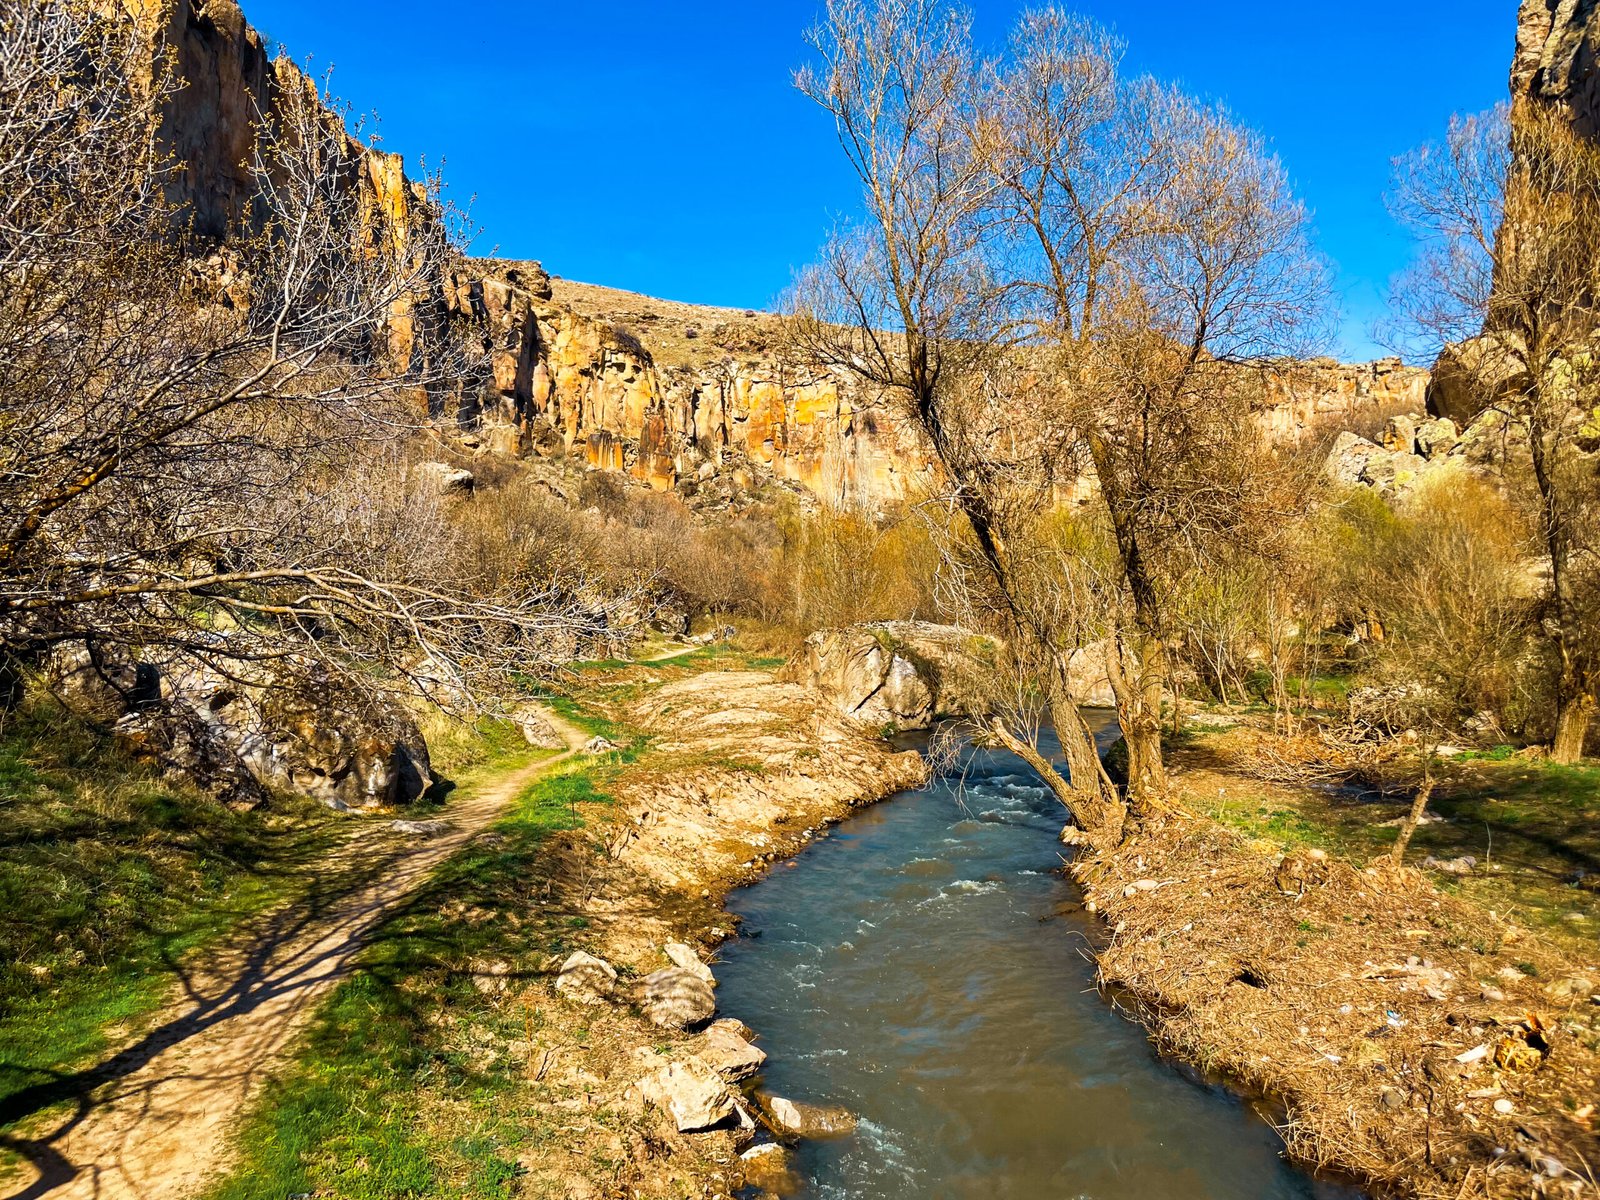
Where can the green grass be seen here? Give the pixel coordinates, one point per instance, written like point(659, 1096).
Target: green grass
point(1533, 827)
point(387, 1099)
point(109, 876)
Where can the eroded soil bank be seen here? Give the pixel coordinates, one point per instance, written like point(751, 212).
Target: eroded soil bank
point(1429, 1046)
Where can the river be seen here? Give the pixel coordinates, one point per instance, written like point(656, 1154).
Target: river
point(913, 966)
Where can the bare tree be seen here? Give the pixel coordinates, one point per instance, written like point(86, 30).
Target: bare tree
point(1506, 211)
point(1059, 274)
point(208, 454)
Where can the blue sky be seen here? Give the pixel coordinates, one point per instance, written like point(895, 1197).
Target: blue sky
point(661, 147)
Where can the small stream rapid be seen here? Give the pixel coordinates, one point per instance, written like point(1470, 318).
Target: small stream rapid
point(910, 966)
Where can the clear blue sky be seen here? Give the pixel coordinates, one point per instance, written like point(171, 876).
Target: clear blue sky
point(660, 146)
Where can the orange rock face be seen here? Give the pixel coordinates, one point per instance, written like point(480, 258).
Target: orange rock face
point(669, 412)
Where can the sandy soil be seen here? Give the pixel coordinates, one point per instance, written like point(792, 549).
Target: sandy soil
point(151, 1122)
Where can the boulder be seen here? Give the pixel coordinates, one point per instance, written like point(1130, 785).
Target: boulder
point(1088, 677)
point(292, 725)
point(1400, 434)
point(319, 737)
point(794, 1119)
point(1471, 375)
point(691, 1093)
point(685, 957)
point(586, 979)
point(725, 1048)
point(1356, 462)
point(175, 738)
point(868, 678)
point(675, 998)
point(1436, 437)
point(445, 479)
point(769, 1168)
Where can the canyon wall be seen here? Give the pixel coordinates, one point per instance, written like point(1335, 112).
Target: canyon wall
point(1555, 58)
point(679, 397)
point(223, 86)
point(675, 395)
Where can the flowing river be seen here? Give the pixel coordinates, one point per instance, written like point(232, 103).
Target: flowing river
point(912, 967)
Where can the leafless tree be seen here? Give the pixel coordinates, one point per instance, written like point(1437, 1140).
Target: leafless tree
point(1506, 211)
point(208, 454)
point(1060, 274)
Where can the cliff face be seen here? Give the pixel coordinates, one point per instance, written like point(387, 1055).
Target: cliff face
point(673, 394)
point(1555, 60)
point(676, 394)
point(225, 86)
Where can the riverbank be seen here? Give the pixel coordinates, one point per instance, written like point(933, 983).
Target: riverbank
point(451, 1065)
point(1422, 1043)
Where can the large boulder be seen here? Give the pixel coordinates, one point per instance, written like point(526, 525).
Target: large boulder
point(1471, 375)
point(1356, 462)
point(685, 957)
point(769, 1168)
point(1088, 676)
point(691, 1093)
point(292, 726)
point(868, 677)
point(899, 674)
point(675, 998)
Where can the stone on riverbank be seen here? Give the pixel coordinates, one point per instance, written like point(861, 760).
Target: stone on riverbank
point(675, 998)
point(769, 1167)
point(684, 956)
point(586, 979)
point(691, 1093)
point(794, 1119)
point(724, 1046)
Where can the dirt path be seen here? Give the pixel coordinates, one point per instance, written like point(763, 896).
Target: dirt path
point(152, 1122)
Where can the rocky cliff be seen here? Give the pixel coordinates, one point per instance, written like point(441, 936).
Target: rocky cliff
point(677, 396)
point(673, 394)
point(1555, 59)
point(224, 86)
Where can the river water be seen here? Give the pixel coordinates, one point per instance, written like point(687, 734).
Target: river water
point(911, 967)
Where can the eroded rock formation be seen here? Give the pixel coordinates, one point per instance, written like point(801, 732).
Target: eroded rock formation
point(1555, 59)
point(672, 394)
point(225, 85)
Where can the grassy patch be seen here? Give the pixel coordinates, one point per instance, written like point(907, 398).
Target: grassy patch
point(1532, 826)
point(109, 875)
point(409, 1081)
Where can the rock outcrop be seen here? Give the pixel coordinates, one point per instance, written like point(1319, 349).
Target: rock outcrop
point(1555, 59)
point(896, 674)
point(676, 396)
point(1413, 454)
point(702, 400)
point(238, 729)
point(226, 84)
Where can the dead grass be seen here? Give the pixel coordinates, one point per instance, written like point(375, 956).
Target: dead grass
point(1253, 937)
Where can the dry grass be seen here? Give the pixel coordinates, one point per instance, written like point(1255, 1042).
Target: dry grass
point(1348, 998)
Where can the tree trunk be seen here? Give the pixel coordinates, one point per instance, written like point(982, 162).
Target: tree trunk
point(1100, 818)
point(1572, 727)
point(1137, 676)
point(1413, 818)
